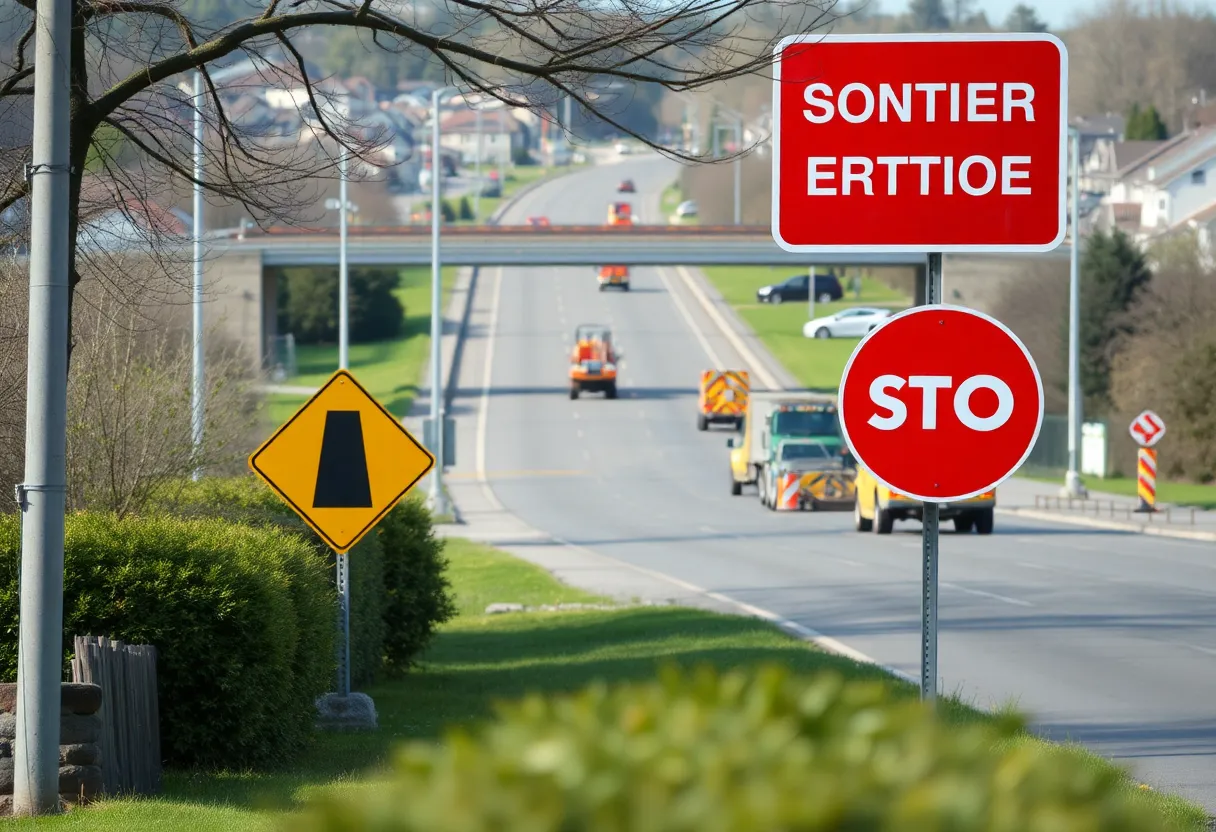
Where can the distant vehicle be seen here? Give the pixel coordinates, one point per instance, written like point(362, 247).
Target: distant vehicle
point(620, 213)
point(492, 187)
point(593, 361)
point(626, 187)
point(876, 508)
point(614, 276)
point(827, 288)
point(538, 222)
point(771, 418)
point(722, 398)
point(623, 149)
point(848, 323)
point(687, 208)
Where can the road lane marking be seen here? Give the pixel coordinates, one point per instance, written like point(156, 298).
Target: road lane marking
point(530, 472)
point(757, 366)
point(580, 433)
point(981, 593)
point(846, 561)
point(487, 380)
point(688, 319)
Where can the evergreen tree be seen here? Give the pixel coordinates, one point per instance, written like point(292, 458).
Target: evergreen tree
point(928, 15)
point(1024, 18)
point(1144, 125)
point(310, 304)
point(1113, 271)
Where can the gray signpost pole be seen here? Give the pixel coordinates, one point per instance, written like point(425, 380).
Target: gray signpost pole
point(929, 538)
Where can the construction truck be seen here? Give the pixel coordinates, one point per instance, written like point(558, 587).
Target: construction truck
point(593, 361)
point(620, 213)
point(722, 398)
point(876, 508)
point(613, 276)
point(771, 417)
point(807, 475)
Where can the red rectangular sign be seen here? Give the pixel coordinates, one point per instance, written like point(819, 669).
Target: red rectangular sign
point(920, 143)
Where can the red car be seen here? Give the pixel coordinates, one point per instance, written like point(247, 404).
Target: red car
point(538, 222)
point(626, 187)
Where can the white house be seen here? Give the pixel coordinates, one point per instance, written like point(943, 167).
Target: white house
point(501, 135)
point(1171, 182)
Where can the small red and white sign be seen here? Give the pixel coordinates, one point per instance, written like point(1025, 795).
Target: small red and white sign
point(920, 143)
point(1147, 429)
point(941, 403)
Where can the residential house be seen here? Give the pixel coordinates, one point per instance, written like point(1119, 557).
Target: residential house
point(501, 134)
point(1169, 189)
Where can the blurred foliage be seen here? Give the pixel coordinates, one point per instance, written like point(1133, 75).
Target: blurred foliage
point(1144, 125)
point(308, 304)
point(741, 752)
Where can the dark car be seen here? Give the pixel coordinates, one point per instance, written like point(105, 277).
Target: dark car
point(626, 187)
point(827, 288)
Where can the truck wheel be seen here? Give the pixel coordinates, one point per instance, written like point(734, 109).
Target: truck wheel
point(984, 521)
point(736, 487)
point(702, 422)
point(625, 286)
point(603, 286)
point(610, 391)
point(964, 523)
point(863, 524)
point(760, 491)
point(884, 521)
point(574, 391)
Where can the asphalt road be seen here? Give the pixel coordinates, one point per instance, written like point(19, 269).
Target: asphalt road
point(1103, 637)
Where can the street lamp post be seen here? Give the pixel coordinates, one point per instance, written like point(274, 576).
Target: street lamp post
point(197, 381)
point(438, 498)
point(477, 170)
point(1073, 487)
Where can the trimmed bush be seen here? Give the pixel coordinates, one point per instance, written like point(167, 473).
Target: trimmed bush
point(241, 617)
point(744, 752)
point(417, 594)
point(248, 500)
point(399, 594)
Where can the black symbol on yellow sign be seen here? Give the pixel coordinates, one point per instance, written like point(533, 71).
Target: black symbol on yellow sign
point(342, 462)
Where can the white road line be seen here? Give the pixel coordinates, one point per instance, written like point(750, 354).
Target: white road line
point(1030, 565)
point(846, 561)
point(1206, 650)
point(1005, 598)
point(688, 319)
point(487, 380)
point(756, 365)
point(586, 453)
point(580, 433)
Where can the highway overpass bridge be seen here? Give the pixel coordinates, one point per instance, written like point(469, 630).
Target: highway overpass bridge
point(243, 265)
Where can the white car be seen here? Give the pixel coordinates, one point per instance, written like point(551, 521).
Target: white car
point(687, 208)
point(847, 323)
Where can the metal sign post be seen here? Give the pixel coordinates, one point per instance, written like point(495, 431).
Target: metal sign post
point(930, 527)
point(810, 305)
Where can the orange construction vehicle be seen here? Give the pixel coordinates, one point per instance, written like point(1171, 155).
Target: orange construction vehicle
point(620, 213)
point(723, 398)
point(593, 361)
point(614, 276)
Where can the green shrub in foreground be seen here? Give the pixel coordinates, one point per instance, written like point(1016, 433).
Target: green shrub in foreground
point(241, 617)
point(744, 752)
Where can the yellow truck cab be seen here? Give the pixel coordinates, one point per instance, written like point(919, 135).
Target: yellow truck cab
point(877, 508)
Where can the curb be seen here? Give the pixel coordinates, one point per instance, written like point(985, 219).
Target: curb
point(1093, 523)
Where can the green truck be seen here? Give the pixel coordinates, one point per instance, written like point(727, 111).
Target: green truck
point(771, 418)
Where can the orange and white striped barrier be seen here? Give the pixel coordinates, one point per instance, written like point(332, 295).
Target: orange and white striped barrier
point(789, 490)
point(1146, 479)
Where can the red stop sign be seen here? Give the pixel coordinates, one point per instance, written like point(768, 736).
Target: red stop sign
point(941, 403)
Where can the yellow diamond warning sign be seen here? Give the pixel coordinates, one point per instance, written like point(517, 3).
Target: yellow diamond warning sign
point(342, 462)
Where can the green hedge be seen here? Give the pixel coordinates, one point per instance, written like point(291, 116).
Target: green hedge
point(242, 619)
point(399, 594)
point(762, 752)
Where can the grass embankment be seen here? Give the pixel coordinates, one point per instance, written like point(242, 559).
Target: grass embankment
point(1175, 493)
point(816, 363)
point(476, 659)
point(390, 369)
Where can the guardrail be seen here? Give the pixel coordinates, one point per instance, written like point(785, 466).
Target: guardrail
point(1047, 501)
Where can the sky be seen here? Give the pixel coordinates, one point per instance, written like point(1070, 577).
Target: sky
point(1056, 13)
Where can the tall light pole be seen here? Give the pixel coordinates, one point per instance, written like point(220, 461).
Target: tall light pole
point(1073, 487)
point(343, 281)
point(439, 503)
point(41, 497)
point(738, 165)
point(477, 169)
point(196, 388)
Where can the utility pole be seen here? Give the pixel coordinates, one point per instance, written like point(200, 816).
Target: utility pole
point(438, 498)
point(196, 389)
point(1073, 487)
point(343, 297)
point(739, 172)
point(41, 497)
point(477, 168)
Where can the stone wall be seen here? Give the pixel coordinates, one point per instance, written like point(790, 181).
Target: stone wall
point(79, 755)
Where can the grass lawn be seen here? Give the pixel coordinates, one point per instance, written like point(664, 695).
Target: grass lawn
point(1178, 493)
point(816, 363)
point(513, 181)
point(390, 370)
point(475, 660)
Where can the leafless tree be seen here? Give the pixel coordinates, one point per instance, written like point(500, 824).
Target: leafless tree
point(131, 61)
